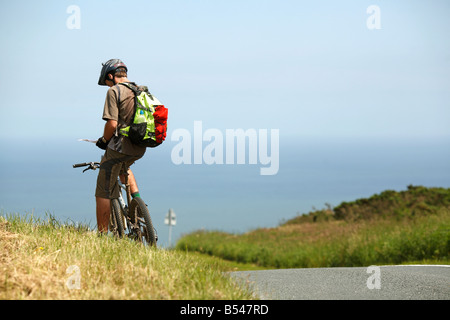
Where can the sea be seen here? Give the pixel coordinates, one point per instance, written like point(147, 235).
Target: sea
point(38, 179)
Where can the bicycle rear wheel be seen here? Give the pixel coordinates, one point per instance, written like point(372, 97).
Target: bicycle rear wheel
point(140, 218)
point(116, 219)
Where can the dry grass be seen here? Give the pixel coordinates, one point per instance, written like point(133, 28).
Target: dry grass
point(26, 277)
point(35, 257)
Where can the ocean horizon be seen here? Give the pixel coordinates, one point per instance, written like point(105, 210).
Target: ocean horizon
point(39, 180)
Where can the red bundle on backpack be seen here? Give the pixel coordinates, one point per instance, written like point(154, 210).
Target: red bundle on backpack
point(160, 115)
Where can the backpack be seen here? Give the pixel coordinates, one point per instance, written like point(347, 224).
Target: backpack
point(149, 125)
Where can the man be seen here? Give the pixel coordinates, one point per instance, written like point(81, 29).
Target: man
point(118, 112)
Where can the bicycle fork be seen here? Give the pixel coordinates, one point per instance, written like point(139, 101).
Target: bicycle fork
point(125, 186)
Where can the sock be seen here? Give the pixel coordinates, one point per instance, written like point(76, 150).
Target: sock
point(134, 195)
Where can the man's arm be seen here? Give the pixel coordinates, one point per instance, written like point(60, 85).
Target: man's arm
point(110, 129)
point(108, 132)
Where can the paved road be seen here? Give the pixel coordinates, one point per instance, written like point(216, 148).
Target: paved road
point(385, 282)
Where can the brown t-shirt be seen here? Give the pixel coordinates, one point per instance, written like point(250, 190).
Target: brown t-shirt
point(123, 112)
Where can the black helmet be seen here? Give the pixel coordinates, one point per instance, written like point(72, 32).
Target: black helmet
point(110, 66)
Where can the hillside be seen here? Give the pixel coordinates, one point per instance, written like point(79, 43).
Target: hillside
point(389, 228)
point(416, 200)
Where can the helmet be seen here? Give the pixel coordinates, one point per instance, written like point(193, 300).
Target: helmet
point(110, 66)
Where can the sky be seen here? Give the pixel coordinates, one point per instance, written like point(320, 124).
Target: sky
point(310, 69)
point(319, 73)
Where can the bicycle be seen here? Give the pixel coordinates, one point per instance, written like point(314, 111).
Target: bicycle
point(130, 219)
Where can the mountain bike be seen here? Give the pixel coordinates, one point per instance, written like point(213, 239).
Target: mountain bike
point(130, 218)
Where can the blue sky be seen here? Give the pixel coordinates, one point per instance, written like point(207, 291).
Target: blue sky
point(310, 69)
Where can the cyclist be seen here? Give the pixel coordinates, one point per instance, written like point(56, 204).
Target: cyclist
point(118, 111)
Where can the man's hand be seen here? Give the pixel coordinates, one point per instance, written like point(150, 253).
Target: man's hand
point(102, 143)
point(110, 128)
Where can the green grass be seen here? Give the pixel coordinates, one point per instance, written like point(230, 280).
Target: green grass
point(35, 255)
point(405, 227)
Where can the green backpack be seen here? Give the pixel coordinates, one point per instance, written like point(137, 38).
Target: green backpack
point(149, 125)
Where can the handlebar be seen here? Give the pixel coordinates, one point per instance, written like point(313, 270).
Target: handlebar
point(89, 165)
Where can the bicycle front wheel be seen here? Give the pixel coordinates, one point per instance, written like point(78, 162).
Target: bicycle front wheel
point(140, 218)
point(116, 219)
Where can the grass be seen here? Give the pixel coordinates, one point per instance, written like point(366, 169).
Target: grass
point(36, 256)
point(404, 227)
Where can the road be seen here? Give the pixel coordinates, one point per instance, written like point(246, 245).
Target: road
point(416, 282)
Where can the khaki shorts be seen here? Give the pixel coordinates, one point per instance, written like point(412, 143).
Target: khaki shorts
point(110, 168)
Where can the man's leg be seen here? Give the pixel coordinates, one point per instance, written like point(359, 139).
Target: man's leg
point(103, 207)
point(107, 187)
point(131, 181)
